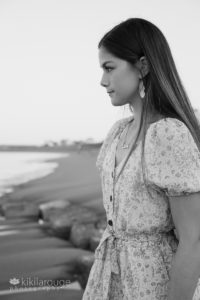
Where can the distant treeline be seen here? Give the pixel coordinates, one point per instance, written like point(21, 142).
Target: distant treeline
point(73, 147)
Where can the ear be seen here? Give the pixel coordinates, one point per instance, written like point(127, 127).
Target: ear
point(144, 67)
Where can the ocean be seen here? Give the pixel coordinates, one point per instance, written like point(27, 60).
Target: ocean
point(21, 167)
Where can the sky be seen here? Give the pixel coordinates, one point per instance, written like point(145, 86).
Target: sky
point(49, 69)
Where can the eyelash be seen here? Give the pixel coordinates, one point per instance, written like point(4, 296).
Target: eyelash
point(108, 68)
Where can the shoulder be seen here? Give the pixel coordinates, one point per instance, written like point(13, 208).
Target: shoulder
point(173, 158)
point(170, 137)
point(169, 130)
point(169, 125)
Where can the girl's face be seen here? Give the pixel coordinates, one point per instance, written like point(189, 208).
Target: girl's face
point(120, 78)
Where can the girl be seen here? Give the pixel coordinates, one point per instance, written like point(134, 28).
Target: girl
point(150, 171)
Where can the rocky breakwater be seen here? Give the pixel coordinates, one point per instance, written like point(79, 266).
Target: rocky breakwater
point(82, 227)
point(14, 210)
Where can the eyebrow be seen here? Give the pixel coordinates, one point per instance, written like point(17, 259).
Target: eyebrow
point(106, 62)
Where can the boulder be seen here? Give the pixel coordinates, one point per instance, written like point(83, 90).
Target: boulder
point(81, 234)
point(94, 241)
point(49, 209)
point(101, 222)
point(83, 266)
point(20, 209)
point(61, 224)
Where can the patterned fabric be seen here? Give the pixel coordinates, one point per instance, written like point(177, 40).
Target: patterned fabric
point(134, 256)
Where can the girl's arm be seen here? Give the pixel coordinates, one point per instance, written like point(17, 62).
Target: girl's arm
point(185, 270)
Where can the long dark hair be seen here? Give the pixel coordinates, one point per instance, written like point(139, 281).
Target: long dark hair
point(164, 90)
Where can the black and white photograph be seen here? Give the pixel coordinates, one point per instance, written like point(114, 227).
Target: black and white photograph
point(99, 150)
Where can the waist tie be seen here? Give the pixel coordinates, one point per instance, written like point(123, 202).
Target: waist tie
point(109, 236)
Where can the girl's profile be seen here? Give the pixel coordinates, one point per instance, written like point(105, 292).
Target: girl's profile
point(149, 165)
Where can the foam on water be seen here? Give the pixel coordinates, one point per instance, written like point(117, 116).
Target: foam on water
point(21, 167)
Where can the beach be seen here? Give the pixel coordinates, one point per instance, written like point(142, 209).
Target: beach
point(26, 250)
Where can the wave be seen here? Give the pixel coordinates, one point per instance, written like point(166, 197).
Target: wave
point(21, 167)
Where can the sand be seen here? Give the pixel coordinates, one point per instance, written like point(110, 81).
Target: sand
point(76, 179)
point(26, 250)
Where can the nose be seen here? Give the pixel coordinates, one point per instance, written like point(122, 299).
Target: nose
point(104, 81)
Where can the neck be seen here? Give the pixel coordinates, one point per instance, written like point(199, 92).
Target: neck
point(152, 116)
point(137, 108)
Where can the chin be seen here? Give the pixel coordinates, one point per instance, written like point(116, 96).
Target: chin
point(117, 103)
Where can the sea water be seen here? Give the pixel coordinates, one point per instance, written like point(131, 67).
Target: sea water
point(20, 167)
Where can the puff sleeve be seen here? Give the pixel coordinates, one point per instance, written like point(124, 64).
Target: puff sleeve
point(106, 143)
point(173, 163)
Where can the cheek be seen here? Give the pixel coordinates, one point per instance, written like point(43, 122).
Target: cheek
point(128, 83)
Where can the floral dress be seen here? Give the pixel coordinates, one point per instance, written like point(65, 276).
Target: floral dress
point(134, 256)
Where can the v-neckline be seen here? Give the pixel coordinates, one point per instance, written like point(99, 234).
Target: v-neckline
point(121, 162)
point(116, 167)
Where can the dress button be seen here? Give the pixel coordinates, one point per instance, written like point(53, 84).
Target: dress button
point(111, 198)
point(110, 222)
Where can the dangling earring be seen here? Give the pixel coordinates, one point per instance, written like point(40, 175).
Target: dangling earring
point(142, 89)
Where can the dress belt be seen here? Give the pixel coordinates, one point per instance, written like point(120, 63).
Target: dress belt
point(123, 236)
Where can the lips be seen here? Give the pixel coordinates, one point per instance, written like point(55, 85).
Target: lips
point(109, 92)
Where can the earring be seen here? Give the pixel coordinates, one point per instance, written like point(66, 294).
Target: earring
point(142, 90)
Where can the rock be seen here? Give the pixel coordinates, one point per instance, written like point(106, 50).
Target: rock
point(81, 234)
point(83, 266)
point(58, 226)
point(49, 209)
point(61, 224)
point(94, 241)
point(20, 209)
point(101, 222)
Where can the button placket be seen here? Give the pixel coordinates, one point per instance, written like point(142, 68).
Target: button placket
point(111, 196)
point(111, 213)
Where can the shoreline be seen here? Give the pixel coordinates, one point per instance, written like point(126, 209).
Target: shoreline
point(33, 166)
point(68, 181)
